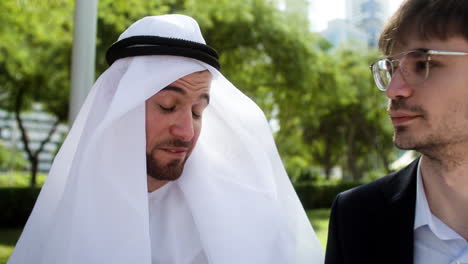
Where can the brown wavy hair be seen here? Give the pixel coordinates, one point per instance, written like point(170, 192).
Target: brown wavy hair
point(427, 19)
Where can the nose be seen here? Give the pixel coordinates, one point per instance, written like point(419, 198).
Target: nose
point(183, 127)
point(398, 87)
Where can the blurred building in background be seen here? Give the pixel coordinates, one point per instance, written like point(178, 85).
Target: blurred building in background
point(341, 31)
point(368, 16)
point(37, 124)
point(363, 22)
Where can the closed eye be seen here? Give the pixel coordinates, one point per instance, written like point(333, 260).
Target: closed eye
point(196, 116)
point(167, 109)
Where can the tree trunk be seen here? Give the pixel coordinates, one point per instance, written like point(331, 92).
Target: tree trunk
point(327, 169)
point(24, 134)
point(33, 157)
point(34, 165)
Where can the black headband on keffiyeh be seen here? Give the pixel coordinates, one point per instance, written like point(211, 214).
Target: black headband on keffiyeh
point(154, 45)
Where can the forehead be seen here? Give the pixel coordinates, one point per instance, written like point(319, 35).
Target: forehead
point(194, 81)
point(195, 85)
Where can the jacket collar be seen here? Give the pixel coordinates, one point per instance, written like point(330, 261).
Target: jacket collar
point(401, 186)
point(400, 194)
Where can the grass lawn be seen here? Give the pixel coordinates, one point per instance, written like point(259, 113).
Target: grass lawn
point(8, 238)
point(318, 218)
point(19, 179)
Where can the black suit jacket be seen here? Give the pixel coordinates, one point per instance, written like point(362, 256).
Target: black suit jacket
point(373, 223)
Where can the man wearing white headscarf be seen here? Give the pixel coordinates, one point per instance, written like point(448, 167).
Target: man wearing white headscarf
point(230, 202)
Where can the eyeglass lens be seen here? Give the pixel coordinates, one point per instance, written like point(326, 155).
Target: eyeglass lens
point(413, 66)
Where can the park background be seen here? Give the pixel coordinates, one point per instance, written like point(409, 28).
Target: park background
point(328, 118)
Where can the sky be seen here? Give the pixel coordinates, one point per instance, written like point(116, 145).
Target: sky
point(323, 11)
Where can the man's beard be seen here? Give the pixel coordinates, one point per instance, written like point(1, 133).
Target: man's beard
point(165, 172)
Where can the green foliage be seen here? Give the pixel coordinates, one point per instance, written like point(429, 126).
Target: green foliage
point(35, 41)
point(11, 159)
point(35, 44)
point(19, 179)
point(319, 218)
point(343, 123)
point(321, 195)
point(114, 16)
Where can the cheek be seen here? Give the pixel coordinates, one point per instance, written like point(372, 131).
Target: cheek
point(147, 122)
point(147, 128)
point(448, 111)
point(149, 141)
point(151, 129)
point(196, 130)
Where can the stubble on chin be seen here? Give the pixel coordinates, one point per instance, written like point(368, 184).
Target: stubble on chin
point(405, 140)
point(425, 144)
point(402, 139)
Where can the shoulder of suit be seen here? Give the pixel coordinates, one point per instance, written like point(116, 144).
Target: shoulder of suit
point(375, 192)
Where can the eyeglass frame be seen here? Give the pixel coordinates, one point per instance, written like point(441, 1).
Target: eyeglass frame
point(428, 52)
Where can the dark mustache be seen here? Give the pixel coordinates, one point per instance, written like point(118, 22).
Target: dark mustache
point(396, 105)
point(174, 143)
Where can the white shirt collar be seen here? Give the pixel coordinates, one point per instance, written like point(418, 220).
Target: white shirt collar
point(424, 217)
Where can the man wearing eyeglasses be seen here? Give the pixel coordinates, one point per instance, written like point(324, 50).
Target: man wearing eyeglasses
point(420, 213)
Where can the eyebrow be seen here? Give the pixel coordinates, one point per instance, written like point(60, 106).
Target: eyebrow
point(183, 92)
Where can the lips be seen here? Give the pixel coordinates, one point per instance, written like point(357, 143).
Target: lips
point(401, 118)
point(175, 151)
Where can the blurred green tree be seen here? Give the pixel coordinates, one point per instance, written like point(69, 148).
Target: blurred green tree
point(348, 128)
point(11, 159)
point(35, 41)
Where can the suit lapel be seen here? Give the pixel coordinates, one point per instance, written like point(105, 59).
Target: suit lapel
point(400, 193)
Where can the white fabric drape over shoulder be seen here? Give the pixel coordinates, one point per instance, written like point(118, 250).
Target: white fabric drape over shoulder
point(93, 207)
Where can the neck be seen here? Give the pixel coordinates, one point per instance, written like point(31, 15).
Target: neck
point(446, 187)
point(154, 184)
